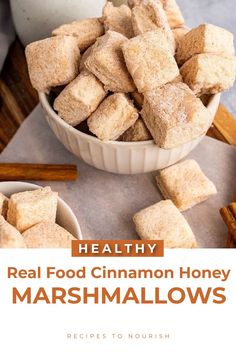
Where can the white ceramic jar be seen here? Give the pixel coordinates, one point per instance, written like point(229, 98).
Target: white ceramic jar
point(35, 19)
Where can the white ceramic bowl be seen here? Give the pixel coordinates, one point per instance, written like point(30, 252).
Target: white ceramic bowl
point(65, 216)
point(116, 156)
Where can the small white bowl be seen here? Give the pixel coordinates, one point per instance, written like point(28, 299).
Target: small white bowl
point(117, 156)
point(65, 216)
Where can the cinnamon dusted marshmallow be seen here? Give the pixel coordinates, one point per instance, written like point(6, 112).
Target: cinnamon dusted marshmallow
point(163, 221)
point(113, 117)
point(52, 62)
point(149, 16)
point(171, 8)
point(137, 132)
point(185, 184)
point(173, 13)
point(149, 60)
point(10, 237)
point(205, 38)
point(47, 235)
point(85, 31)
point(118, 19)
point(209, 73)
point(80, 98)
point(179, 33)
point(29, 208)
point(107, 63)
point(174, 116)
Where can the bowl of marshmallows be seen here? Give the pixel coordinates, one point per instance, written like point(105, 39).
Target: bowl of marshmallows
point(135, 90)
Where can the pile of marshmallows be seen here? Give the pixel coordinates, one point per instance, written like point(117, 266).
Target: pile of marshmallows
point(140, 80)
point(28, 219)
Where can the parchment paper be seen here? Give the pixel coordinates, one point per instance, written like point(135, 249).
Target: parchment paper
point(104, 203)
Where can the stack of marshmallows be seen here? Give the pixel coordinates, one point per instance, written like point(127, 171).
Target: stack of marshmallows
point(141, 74)
point(28, 220)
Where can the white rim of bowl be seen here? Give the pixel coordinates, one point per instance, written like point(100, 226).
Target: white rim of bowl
point(65, 205)
point(48, 107)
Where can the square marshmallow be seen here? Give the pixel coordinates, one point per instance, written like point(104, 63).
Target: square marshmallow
point(113, 117)
point(205, 38)
point(185, 184)
point(10, 237)
point(107, 63)
point(118, 19)
point(149, 16)
point(163, 221)
point(209, 73)
point(174, 115)
point(80, 98)
point(86, 31)
point(47, 235)
point(137, 132)
point(149, 60)
point(52, 62)
point(29, 208)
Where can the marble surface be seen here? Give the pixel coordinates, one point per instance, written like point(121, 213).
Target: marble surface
point(221, 13)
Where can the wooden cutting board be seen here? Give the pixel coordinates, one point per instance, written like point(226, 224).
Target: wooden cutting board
point(17, 97)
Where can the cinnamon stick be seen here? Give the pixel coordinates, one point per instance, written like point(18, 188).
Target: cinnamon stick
point(229, 216)
point(225, 124)
point(232, 208)
point(37, 172)
point(229, 220)
point(230, 241)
